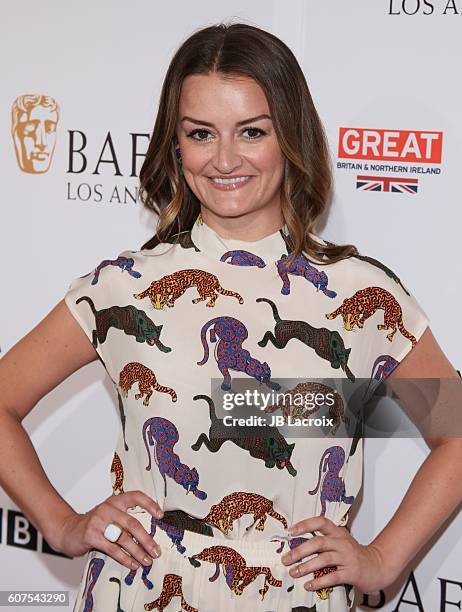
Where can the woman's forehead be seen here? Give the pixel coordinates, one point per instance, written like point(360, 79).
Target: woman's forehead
point(210, 94)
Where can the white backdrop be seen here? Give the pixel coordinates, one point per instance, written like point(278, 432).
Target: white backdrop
point(389, 66)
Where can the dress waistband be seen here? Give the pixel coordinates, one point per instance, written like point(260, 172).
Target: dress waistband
point(255, 551)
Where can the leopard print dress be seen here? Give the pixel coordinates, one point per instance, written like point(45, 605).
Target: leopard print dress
point(232, 365)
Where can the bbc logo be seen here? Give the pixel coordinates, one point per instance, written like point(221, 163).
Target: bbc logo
point(20, 532)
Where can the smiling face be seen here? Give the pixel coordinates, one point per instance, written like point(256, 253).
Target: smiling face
point(225, 131)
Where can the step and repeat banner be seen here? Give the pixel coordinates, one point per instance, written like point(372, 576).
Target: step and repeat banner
point(79, 95)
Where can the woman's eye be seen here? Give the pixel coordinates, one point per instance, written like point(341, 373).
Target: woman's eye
point(255, 133)
point(259, 132)
point(194, 132)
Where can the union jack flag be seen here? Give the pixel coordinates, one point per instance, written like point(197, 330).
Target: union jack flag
point(393, 184)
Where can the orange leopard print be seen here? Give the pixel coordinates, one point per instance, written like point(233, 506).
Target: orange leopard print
point(310, 389)
point(118, 470)
point(324, 591)
point(237, 504)
point(171, 587)
point(165, 291)
point(234, 567)
point(147, 382)
point(364, 303)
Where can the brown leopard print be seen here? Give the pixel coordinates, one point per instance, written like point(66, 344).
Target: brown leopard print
point(118, 470)
point(147, 383)
point(299, 411)
point(364, 303)
point(232, 562)
point(169, 288)
point(324, 591)
point(237, 504)
point(171, 587)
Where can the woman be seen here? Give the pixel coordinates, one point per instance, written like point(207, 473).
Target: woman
point(225, 518)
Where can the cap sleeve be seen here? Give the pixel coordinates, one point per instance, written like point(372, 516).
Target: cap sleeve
point(97, 290)
point(399, 326)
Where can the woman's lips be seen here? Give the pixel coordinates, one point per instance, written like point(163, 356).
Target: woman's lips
point(230, 186)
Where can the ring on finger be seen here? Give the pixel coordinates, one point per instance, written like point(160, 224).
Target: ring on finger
point(112, 532)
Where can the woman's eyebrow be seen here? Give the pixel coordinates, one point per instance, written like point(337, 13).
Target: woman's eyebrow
point(207, 123)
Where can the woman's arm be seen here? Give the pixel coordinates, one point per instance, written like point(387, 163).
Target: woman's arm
point(33, 367)
point(436, 489)
point(434, 493)
point(54, 349)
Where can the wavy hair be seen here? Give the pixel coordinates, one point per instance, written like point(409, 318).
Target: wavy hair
point(239, 49)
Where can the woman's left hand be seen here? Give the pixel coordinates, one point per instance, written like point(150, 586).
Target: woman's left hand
point(357, 564)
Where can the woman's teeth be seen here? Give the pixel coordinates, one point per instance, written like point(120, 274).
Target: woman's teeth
point(239, 179)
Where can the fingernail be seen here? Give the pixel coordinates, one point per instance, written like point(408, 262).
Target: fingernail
point(147, 560)
point(135, 565)
point(160, 514)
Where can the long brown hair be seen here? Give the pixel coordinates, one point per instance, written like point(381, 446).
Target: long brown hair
point(244, 50)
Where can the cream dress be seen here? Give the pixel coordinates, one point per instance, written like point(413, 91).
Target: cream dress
point(184, 327)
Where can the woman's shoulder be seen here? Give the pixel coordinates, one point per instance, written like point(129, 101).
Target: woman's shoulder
point(364, 269)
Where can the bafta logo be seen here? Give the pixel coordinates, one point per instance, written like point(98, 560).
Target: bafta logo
point(34, 121)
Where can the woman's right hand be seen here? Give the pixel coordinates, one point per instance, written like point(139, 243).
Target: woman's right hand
point(79, 533)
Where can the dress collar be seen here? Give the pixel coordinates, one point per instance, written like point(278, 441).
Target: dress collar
point(237, 251)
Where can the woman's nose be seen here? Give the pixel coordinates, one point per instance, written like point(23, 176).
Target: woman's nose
point(227, 157)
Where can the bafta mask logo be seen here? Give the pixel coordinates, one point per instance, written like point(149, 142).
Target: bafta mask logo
point(34, 121)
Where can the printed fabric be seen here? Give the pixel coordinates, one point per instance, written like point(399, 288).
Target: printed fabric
point(195, 316)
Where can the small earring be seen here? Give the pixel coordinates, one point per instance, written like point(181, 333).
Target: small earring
point(178, 156)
